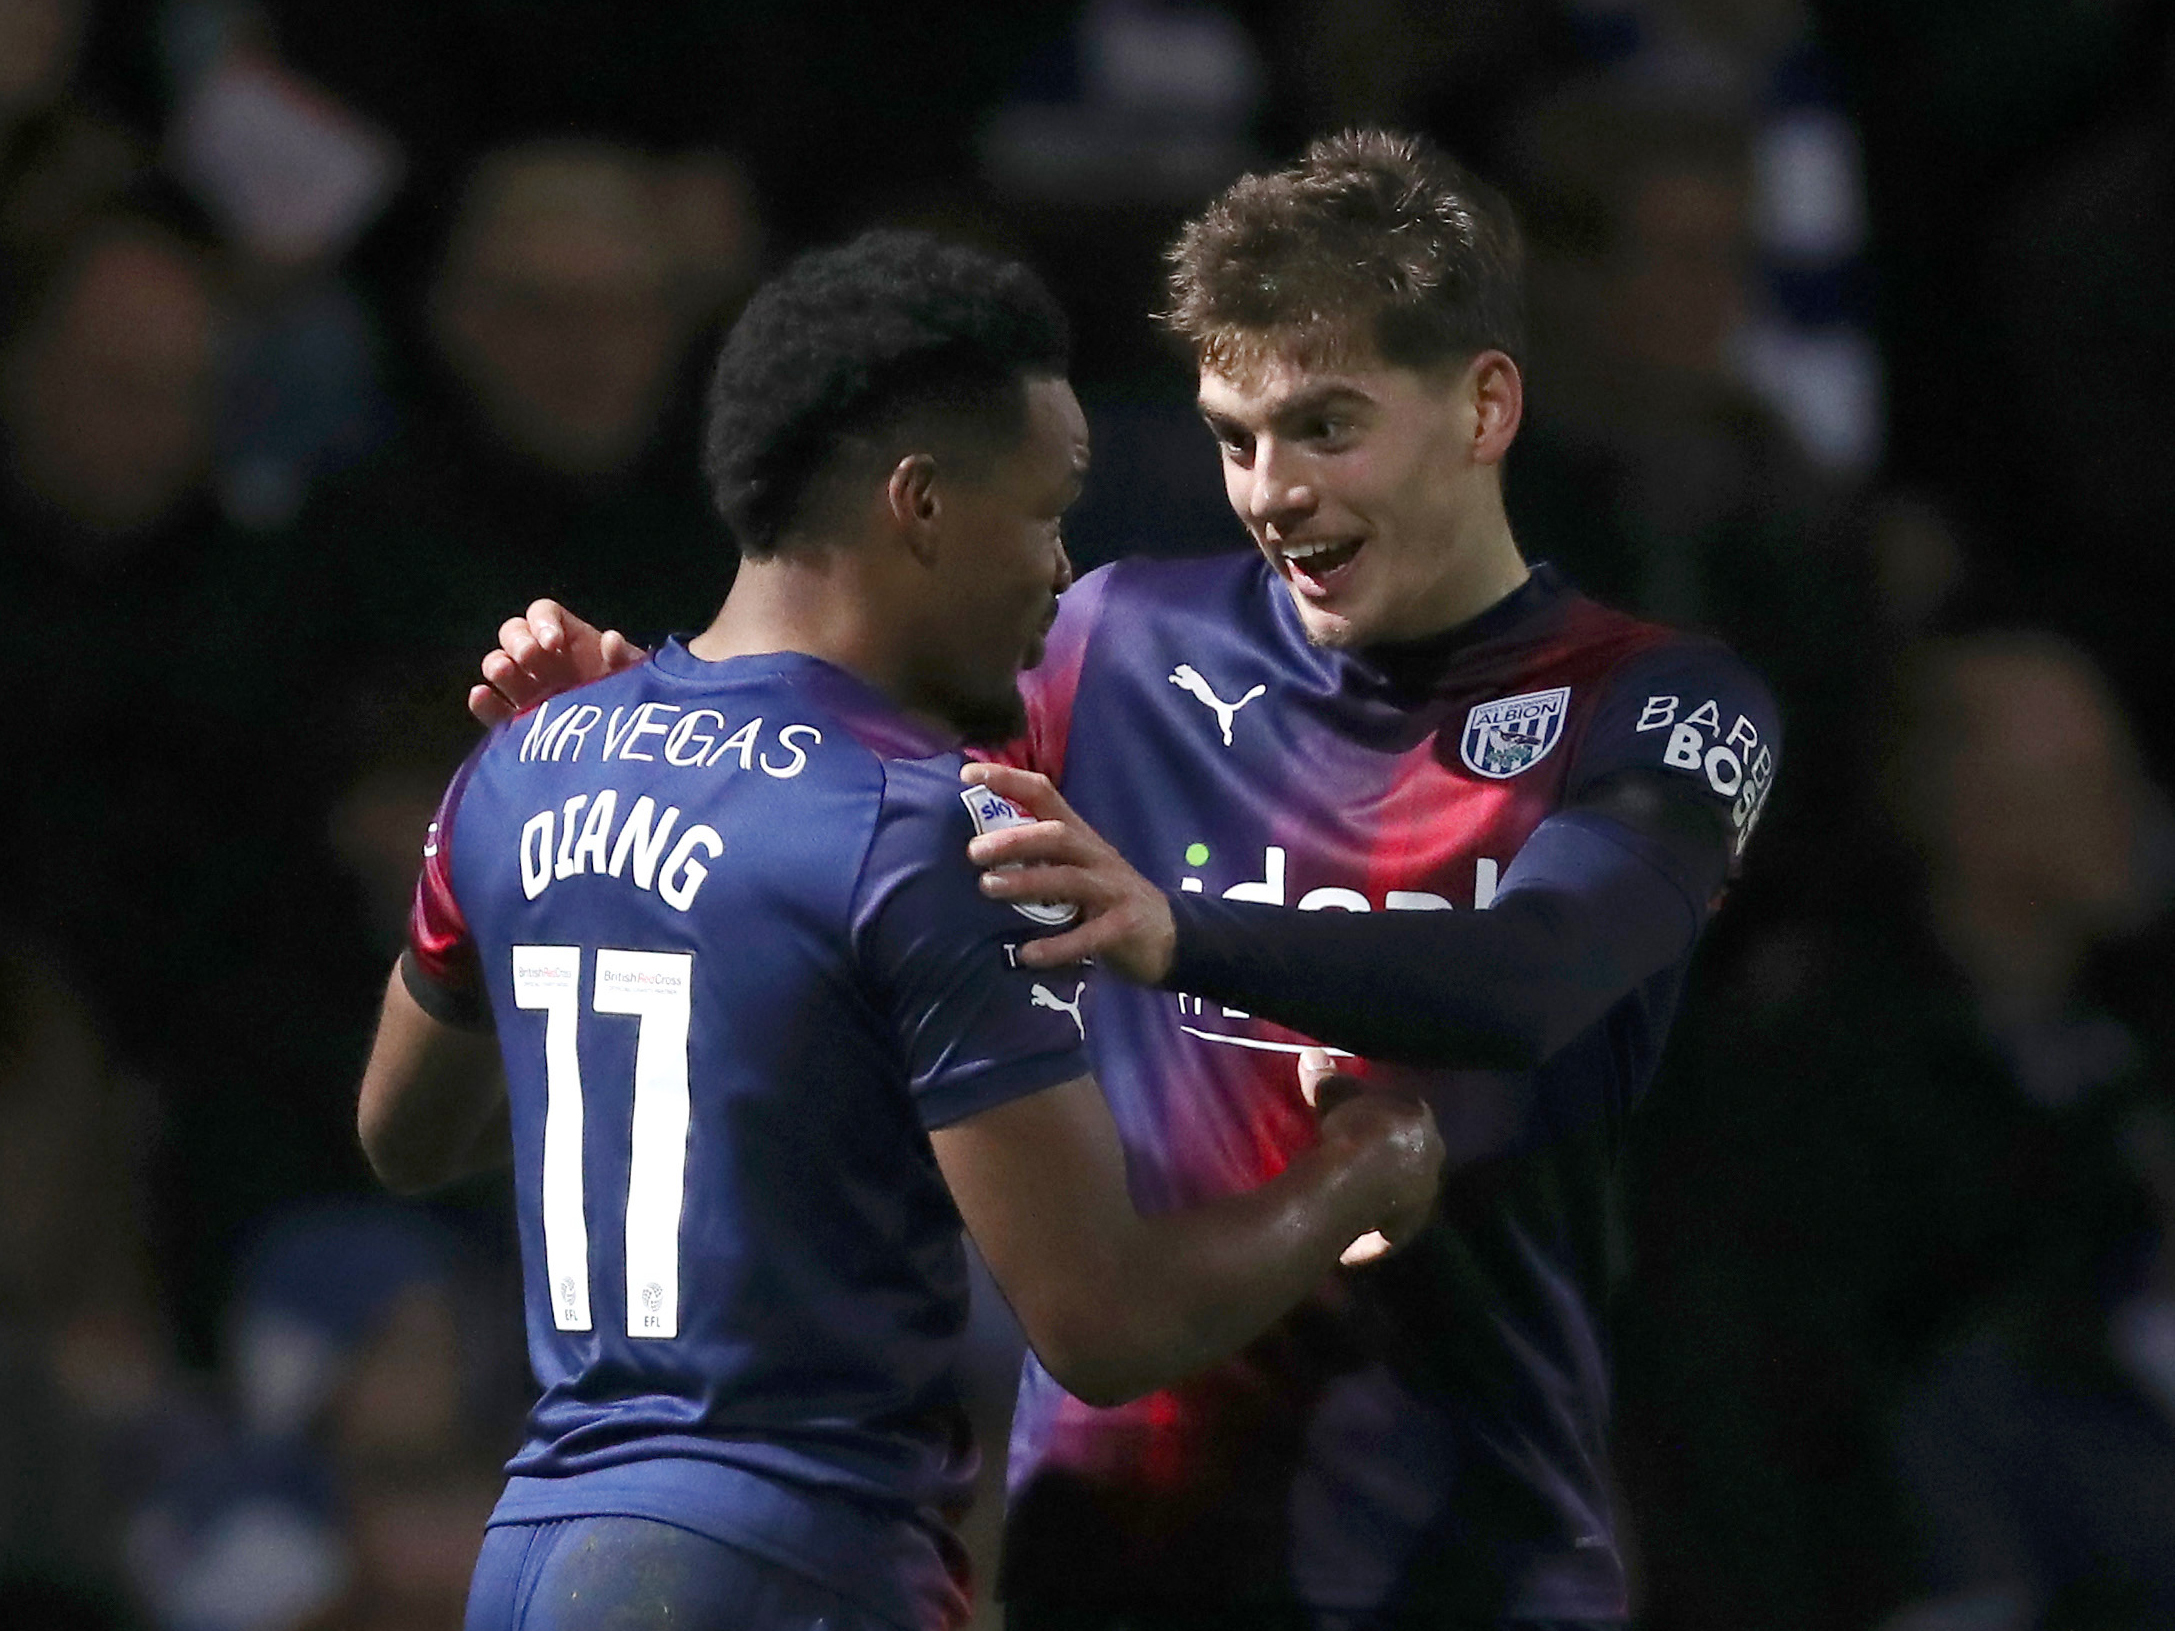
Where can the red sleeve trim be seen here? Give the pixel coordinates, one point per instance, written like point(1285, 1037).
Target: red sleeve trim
point(440, 950)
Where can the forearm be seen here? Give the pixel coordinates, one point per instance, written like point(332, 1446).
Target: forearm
point(1189, 1288)
point(432, 1107)
point(1584, 917)
point(491, 1147)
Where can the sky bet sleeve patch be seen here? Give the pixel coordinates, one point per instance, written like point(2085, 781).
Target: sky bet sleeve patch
point(993, 813)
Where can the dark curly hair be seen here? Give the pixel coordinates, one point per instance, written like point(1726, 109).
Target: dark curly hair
point(850, 348)
point(1373, 241)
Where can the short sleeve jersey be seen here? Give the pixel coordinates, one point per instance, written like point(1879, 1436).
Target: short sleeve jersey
point(722, 919)
point(1428, 1434)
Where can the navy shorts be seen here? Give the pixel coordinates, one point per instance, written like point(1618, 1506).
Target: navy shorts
point(635, 1574)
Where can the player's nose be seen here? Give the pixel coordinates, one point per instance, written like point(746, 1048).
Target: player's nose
point(1278, 493)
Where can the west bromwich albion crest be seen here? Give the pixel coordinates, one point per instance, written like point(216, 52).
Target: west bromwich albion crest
point(1513, 733)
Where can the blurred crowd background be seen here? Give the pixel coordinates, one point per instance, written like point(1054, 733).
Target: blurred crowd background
point(331, 335)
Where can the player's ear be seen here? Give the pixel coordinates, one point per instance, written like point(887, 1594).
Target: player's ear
point(914, 505)
point(1498, 396)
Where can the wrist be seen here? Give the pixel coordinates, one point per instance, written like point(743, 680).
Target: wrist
point(1162, 946)
point(1172, 951)
point(1356, 1178)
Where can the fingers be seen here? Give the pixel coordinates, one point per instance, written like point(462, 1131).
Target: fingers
point(1368, 1247)
point(547, 619)
point(1095, 936)
point(517, 641)
point(1042, 843)
point(1314, 1064)
point(487, 706)
point(1064, 950)
point(1126, 920)
point(1041, 884)
point(619, 651)
point(1029, 789)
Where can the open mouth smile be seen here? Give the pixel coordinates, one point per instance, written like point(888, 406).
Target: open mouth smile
point(1316, 569)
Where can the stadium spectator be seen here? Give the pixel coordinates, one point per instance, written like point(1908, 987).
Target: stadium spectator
point(2077, 289)
point(183, 891)
point(292, 177)
point(2037, 1455)
point(86, 1355)
point(1909, 1115)
point(1650, 472)
point(1801, 343)
point(62, 157)
point(536, 447)
point(350, 1487)
point(110, 365)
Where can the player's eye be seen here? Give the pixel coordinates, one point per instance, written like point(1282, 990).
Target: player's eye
point(1235, 444)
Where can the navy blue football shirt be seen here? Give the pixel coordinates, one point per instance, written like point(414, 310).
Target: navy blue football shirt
point(1428, 1435)
point(722, 919)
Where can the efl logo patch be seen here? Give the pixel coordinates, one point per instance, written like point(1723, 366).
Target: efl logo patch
point(1513, 734)
point(992, 812)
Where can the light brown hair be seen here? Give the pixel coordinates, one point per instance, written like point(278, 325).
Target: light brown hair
point(1373, 243)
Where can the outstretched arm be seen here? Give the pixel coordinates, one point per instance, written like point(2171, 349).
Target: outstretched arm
point(1603, 896)
point(1117, 1305)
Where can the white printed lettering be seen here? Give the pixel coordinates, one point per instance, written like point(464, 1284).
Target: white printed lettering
point(536, 853)
point(1684, 748)
point(575, 729)
point(683, 875)
point(1742, 736)
point(1484, 876)
point(1272, 887)
point(1706, 714)
point(1725, 771)
point(1270, 890)
point(596, 831)
point(685, 736)
point(787, 772)
point(744, 739)
point(1415, 900)
point(543, 732)
point(635, 838)
point(644, 837)
point(1659, 711)
point(565, 868)
point(644, 724)
point(616, 733)
point(1329, 897)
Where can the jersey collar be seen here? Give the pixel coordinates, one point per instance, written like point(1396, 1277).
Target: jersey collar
point(1412, 667)
point(873, 718)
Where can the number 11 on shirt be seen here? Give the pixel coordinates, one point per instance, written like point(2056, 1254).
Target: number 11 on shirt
point(656, 988)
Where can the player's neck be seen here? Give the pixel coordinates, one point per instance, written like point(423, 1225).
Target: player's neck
point(820, 604)
point(1484, 569)
point(804, 604)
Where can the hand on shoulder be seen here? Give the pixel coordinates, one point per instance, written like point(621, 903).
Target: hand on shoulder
point(541, 653)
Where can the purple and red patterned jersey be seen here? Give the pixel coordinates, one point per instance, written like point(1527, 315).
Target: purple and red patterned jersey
point(1431, 1431)
point(723, 921)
